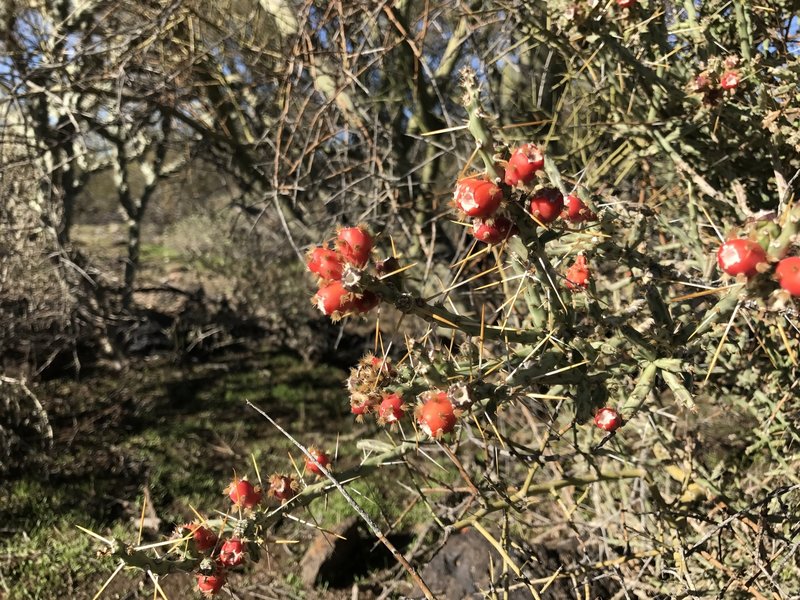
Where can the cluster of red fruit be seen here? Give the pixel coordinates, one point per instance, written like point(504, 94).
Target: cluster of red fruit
point(435, 413)
point(368, 383)
point(713, 89)
point(224, 554)
point(746, 257)
point(480, 197)
point(353, 245)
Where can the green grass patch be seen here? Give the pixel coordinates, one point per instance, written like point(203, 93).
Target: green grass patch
point(179, 432)
point(159, 253)
point(49, 556)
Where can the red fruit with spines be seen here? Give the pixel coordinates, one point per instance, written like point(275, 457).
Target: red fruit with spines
point(493, 230)
point(360, 409)
point(788, 274)
point(729, 80)
point(578, 274)
point(546, 204)
point(282, 487)
point(243, 494)
point(740, 257)
point(366, 302)
point(334, 300)
point(232, 552)
point(211, 584)
point(608, 419)
point(322, 459)
point(204, 539)
point(626, 3)
point(391, 409)
point(384, 366)
point(477, 197)
point(523, 164)
point(436, 416)
point(576, 211)
point(326, 263)
point(355, 245)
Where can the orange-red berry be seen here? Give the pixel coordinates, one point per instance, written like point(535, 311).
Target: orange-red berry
point(578, 274)
point(436, 415)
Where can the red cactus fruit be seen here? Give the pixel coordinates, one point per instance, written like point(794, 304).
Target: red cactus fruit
point(232, 552)
point(384, 366)
point(436, 415)
point(243, 494)
point(334, 300)
point(325, 263)
point(546, 204)
point(282, 487)
point(477, 197)
point(788, 274)
point(523, 164)
point(391, 409)
point(578, 274)
point(608, 419)
point(626, 3)
point(576, 210)
point(360, 408)
point(729, 80)
point(204, 539)
point(322, 459)
point(211, 584)
point(493, 230)
point(355, 245)
point(740, 256)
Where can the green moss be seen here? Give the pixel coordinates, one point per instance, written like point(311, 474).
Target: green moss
point(50, 561)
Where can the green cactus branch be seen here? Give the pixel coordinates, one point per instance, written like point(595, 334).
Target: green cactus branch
point(483, 136)
point(778, 247)
point(436, 315)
